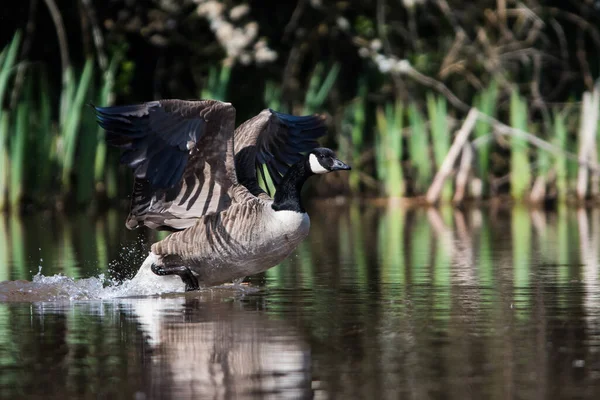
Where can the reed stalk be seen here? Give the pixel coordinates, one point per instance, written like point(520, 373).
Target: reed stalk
point(272, 97)
point(70, 129)
point(42, 179)
point(437, 110)
point(8, 58)
point(111, 177)
point(418, 147)
point(389, 148)
point(450, 158)
point(560, 162)
point(520, 170)
point(17, 155)
point(105, 98)
point(319, 88)
point(538, 190)
point(4, 161)
point(4, 250)
point(353, 126)
point(588, 122)
point(18, 253)
point(101, 247)
point(486, 103)
point(86, 152)
point(264, 180)
point(217, 83)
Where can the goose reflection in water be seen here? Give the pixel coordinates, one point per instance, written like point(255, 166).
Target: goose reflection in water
point(218, 350)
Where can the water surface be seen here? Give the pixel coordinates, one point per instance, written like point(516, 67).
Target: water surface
point(376, 303)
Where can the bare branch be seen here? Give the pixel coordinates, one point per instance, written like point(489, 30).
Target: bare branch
point(445, 169)
point(60, 32)
point(96, 34)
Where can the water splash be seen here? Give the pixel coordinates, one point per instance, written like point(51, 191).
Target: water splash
point(63, 288)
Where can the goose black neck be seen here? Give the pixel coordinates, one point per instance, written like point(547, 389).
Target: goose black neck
point(287, 196)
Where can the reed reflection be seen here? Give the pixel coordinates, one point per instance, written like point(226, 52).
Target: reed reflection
point(377, 302)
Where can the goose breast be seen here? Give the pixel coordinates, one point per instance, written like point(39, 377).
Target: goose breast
point(246, 239)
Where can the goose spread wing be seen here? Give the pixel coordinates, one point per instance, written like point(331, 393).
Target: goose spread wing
point(276, 140)
point(181, 154)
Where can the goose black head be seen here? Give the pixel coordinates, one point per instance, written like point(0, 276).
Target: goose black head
point(322, 160)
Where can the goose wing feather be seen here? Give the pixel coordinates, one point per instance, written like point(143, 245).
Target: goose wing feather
point(276, 140)
point(181, 154)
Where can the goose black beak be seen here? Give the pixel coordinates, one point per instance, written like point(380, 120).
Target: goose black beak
point(339, 165)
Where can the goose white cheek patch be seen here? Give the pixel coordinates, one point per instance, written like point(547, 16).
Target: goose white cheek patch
point(315, 166)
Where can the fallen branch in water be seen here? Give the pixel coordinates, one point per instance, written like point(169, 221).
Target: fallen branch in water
point(447, 166)
point(499, 127)
point(462, 177)
point(587, 140)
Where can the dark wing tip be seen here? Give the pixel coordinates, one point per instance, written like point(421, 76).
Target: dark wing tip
point(302, 122)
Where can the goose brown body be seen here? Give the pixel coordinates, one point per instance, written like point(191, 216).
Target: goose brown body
point(195, 175)
point(245, 239)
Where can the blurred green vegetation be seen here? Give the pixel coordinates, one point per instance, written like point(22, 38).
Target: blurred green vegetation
point(526, 65)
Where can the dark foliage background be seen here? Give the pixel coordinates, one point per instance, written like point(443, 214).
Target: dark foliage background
point(548, 51)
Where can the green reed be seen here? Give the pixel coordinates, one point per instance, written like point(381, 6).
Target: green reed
point(437, 110)
point(272, 97)
point(419, 150)
point(217, 83)
point(105, 175)
point(69, 162)
point(388, 148)
point(560, 163)
point(319, 87)
point(4, 250)
point(101, 246)
point(4, 160)
point(520, 170)
point(354, 123)
point(8, 58)
point(264, 179)
point(17, 245)
point(56, 144)
point(486, 103)
point(18, 144)
point(44, 144)
point(76, 94)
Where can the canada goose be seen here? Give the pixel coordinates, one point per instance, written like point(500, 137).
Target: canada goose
point(194, 175)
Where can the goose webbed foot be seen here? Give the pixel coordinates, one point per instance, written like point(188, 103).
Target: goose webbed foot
point(186, 274)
